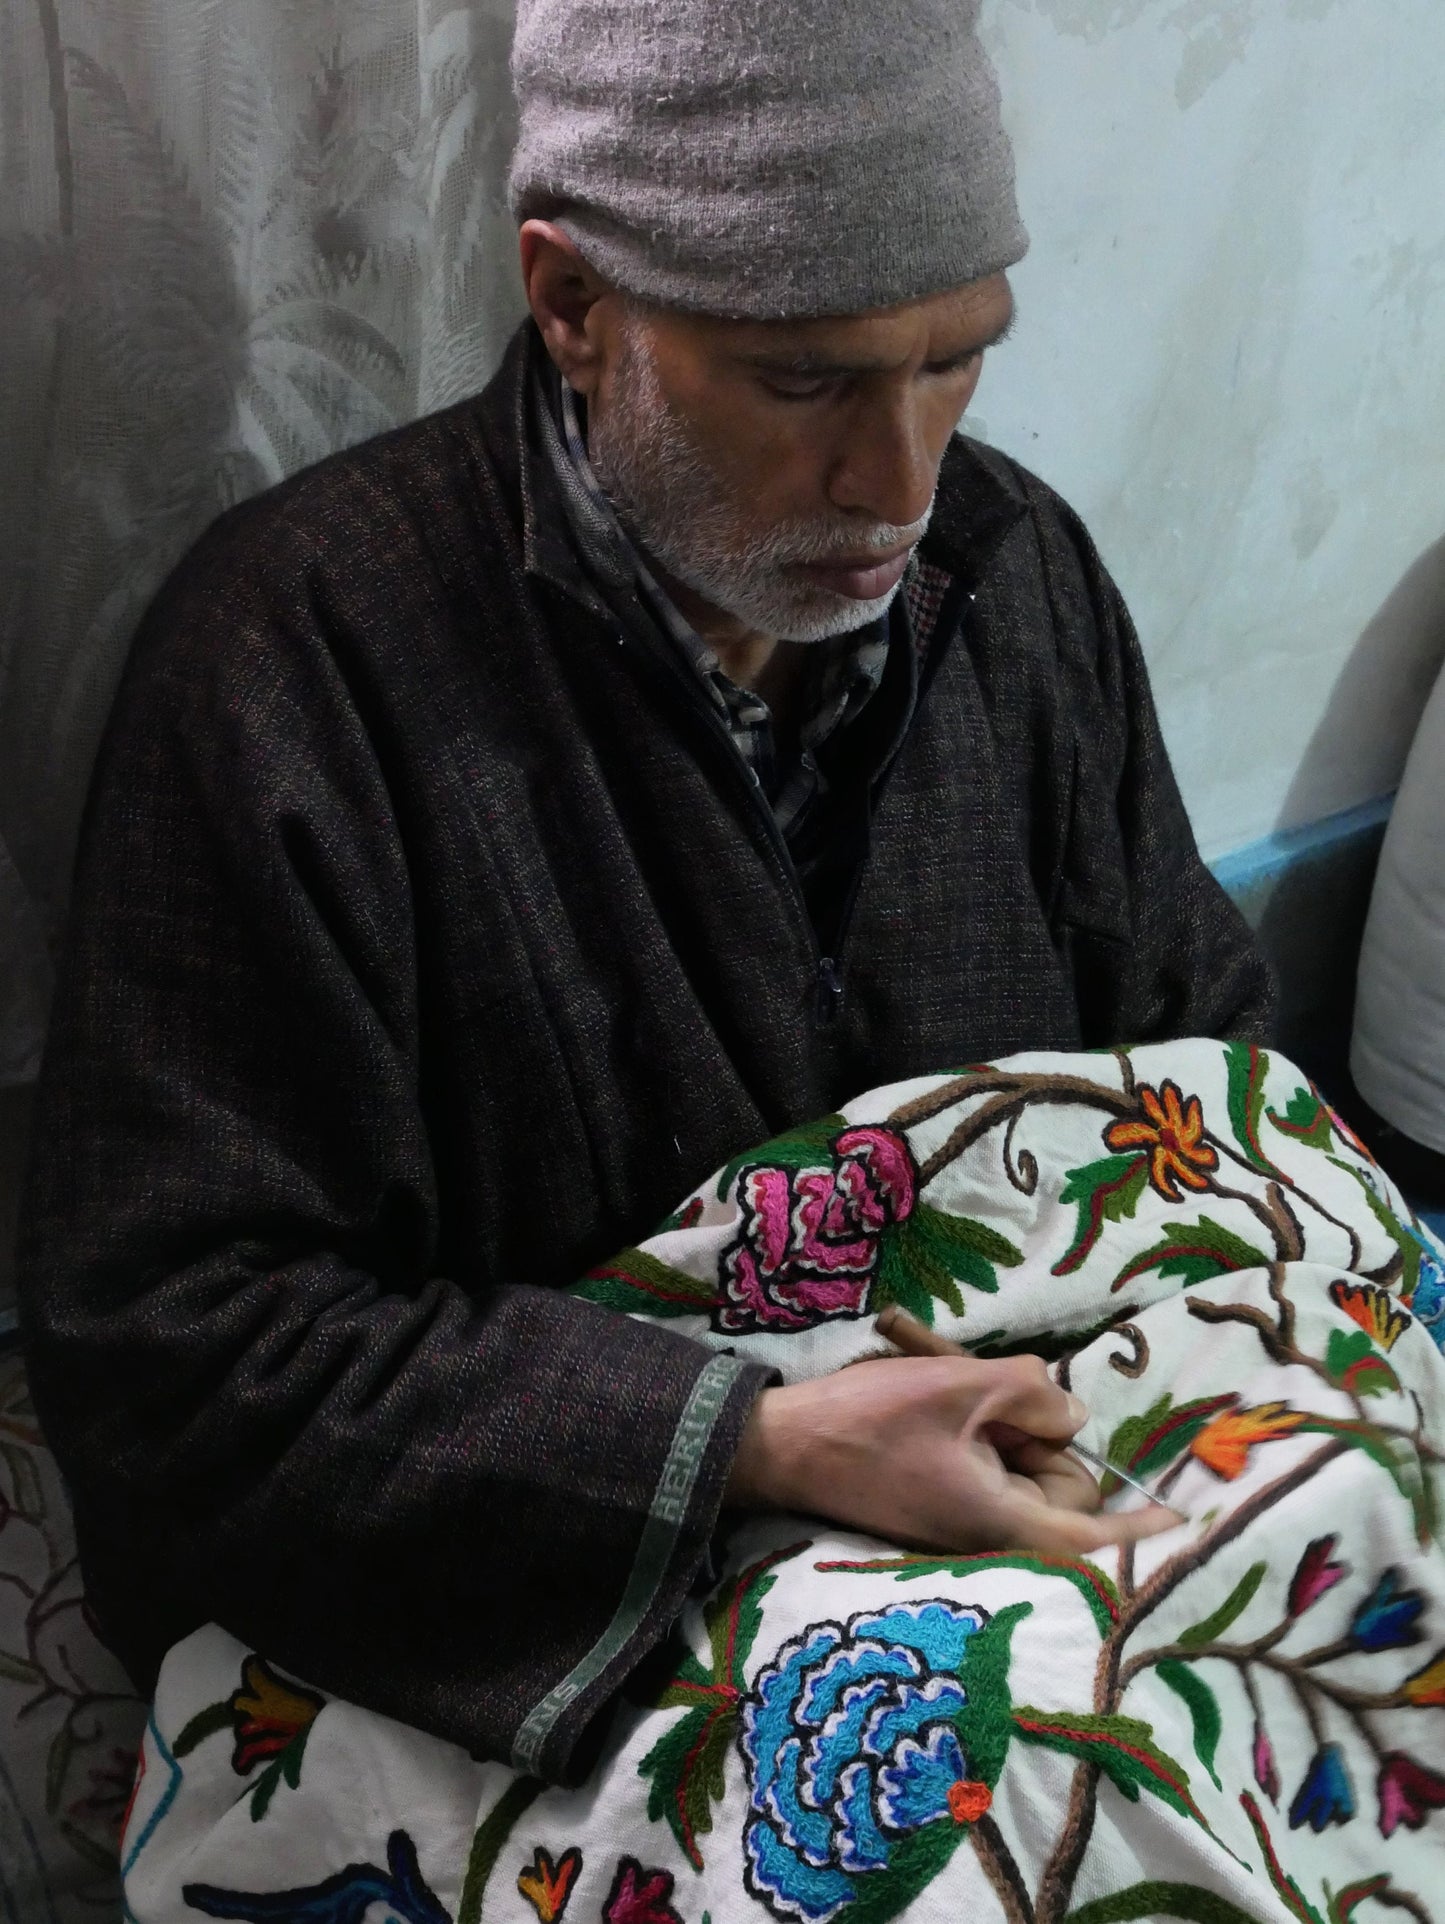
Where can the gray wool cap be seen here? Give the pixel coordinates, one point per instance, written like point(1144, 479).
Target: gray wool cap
point(766, 159)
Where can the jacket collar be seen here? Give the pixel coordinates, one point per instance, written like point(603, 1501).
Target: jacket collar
point(979, 497)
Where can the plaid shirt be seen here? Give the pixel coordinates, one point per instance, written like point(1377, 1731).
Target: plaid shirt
point(845, 672)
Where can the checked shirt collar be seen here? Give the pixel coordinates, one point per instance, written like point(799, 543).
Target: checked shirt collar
point(849, 669)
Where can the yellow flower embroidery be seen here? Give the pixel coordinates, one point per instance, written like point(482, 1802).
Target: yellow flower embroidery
point(268, 1714)
point(547, 1886)
point(1427, 1686)
point(1374, 1309)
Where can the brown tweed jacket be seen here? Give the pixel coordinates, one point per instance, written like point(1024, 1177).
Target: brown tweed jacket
point(430, 940)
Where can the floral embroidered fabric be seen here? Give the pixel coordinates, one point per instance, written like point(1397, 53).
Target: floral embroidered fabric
point(1237, 1722)
point(69, 1720)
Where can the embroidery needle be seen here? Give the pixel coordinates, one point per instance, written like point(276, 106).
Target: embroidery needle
point(907, 1333)
point(1103, 1463)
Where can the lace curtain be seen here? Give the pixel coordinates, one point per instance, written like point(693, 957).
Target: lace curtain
point(235, 235)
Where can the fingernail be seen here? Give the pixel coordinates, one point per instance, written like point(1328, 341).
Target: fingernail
point(1078, 1412)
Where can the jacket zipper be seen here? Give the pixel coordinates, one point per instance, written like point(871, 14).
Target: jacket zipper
point(827, 969)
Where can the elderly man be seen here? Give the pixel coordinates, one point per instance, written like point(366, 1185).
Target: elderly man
point(505, 822)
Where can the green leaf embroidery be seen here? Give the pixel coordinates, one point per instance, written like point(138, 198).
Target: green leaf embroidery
point(487, 1841)
point(985, 1724)
point(1395, 1457)
point(937, 1252)
point(1387, 1219)
point(1247, 1066)
point(686, 1766)
point(96, 1856)
point(1050, 1344)
point(896, 1280)
point(1090, 1582)
point(1196, 1251)
point(204, 1724)
point(1105, 1191)
point(1203, 1707)
point(922, 1259)
point(637, 1281)
point(914, 1862)
point(1123, 1748)
point(57, 1762)
point(809, 1146)
point(1149, 1443)
point(285, 1768)
point(1234, 1605)
point(1355, 1364)
point(19, 1670)
point(734, 1618)
point(1305, 1118)
point(964, 1236)
point(1159, 1899)
point(1286, 1888)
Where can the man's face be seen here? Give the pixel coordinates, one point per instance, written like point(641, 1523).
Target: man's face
point(784, 470)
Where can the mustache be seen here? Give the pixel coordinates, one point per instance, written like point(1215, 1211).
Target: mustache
point(811, 543)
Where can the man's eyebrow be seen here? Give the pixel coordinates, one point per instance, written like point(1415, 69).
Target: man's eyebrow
point(811, 365)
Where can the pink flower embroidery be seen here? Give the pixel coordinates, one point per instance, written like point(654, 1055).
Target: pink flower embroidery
point(1408, 1792)
point(639, 1897)
point(1315, 1574)
point(810, 1237)
point(1266, 1771)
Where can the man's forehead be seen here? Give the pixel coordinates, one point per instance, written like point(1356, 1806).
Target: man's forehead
point(945, 326)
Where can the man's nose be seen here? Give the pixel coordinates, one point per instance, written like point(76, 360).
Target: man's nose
point(887, 470)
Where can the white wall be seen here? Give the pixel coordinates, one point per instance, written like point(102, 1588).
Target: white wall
point(1231, 358)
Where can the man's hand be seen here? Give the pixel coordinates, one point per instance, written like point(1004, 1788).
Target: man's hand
point(935, 1452)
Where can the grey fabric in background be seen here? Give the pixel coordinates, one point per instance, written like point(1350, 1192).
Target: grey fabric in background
point(766, 161)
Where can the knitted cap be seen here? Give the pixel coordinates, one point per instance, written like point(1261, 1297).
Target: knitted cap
point(769, 159)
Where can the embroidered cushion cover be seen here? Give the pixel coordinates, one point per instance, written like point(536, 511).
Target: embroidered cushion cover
point(1242, 1719)
point(69, 1721)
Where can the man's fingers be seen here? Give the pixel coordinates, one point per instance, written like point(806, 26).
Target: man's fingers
point(1056, 1473)
point(1025, 1397)
point(1069, 1533)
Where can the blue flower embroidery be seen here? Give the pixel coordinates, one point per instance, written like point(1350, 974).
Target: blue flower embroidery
point(850, 1746)
point(1386, 1618)
point(344, 1898)
point(1428, 1301)
point(1325, 1796)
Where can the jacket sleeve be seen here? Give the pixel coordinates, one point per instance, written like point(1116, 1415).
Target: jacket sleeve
point(465, 1501)
point(1158, 949)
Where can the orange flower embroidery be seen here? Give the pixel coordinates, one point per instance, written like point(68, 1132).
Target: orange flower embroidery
point(1172, 1137)
point(547, 1886)
point(1224, 1445)
point(268, 1714)
point(1374, 1309)
point(968, 1800)
point(1427, 1686)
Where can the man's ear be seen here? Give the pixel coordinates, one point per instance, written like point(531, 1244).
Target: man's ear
point(566, 296)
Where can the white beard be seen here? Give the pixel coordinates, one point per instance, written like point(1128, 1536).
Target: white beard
point(679, 511)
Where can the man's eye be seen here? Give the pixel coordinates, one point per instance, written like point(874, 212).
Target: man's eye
point(797, 390)
point(797, 387)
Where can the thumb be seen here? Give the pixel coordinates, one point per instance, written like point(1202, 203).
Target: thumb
point(1023, 1397)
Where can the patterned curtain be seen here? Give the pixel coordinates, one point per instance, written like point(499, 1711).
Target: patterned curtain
point(235, 235)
